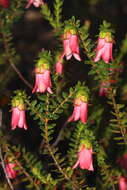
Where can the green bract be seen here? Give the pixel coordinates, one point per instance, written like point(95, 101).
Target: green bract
point(83, 94)
point(43, 63)
point(71, 29)
point(86, 143)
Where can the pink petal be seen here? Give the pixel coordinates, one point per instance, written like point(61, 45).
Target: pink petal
point(15, 117)
point(76, 56)
point(68, 56)
point(67, 49)
point(76, 112)
point(91, 167)
point(30, 2)
point(49, 90)
point(59, 67)
point(98, 55)
point(85, 158)
point(83, 112)
point(106, 55)
point(46, 77)
point(11, 173)
point(25, 126)
point(76, 165)
point(36, 83)
point(38, 3)
point(75, 115)
point(40, 85)
point(101, 43)
point(123, 183)
point(22, 119)
point(75, 46)
point(71, 118)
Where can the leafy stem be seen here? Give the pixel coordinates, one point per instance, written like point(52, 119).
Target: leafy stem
point(64, 101)
point(51, 152)
point(117, 114)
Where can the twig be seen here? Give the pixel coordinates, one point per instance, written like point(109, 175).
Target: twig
point(59, 135)
point(20, 75)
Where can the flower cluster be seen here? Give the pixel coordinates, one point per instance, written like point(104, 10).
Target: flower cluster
point(43, 84)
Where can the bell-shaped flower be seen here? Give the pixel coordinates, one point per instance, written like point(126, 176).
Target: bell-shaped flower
point(104, 48)
point(85, 160)
point(18, 114)
point(123, 183)
point(4, 3)
point(10, 171)
point(80, 107)
point(59, 68)
point(42, 81)
point(59, 64)
point(18, 118)
point(71, 45)
point(36, 3)
point(80, 111)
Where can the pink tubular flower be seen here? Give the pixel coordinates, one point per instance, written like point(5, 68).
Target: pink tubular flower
point(59, 65)
point(71, 46)
point(36, 3)
point(104, 49)
point(9, 168)
point(18, 118)
point(80, 111)
point(18, 110)
point(59, 68)
point(123, 183)
point(4, 3)
point(123, 161)
point(43, 81)
point(84, 159)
